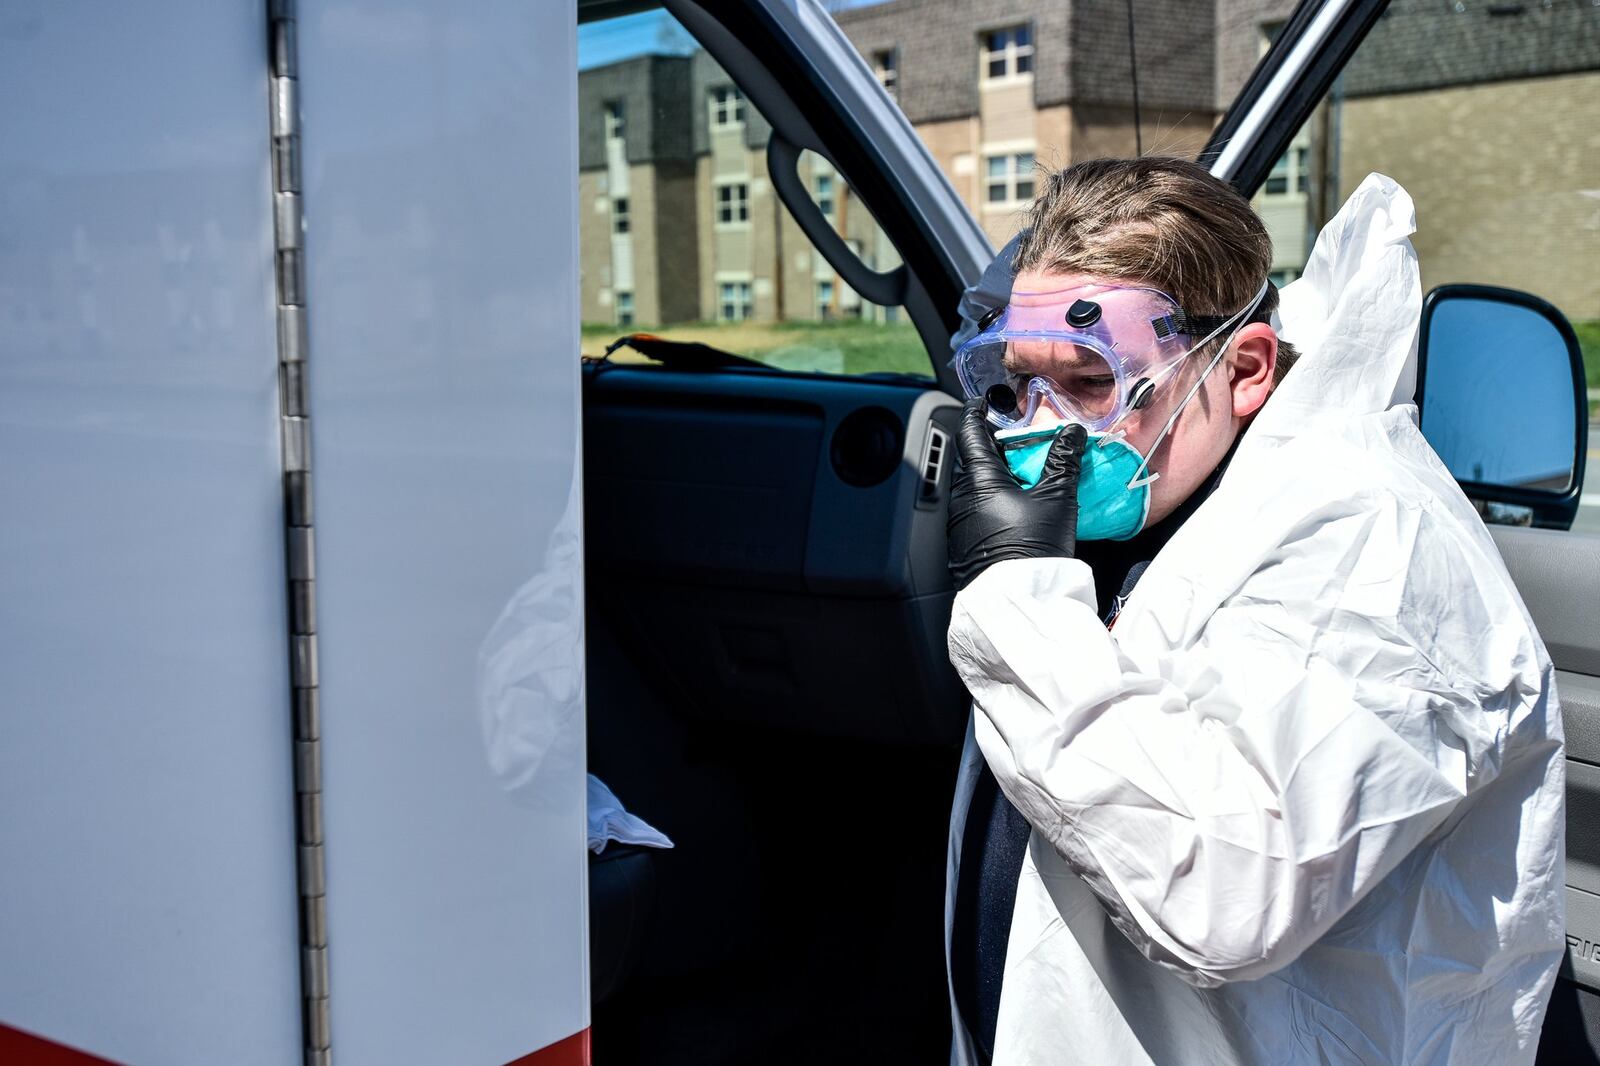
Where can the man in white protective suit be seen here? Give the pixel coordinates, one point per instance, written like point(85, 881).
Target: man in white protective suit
point(1266, 758)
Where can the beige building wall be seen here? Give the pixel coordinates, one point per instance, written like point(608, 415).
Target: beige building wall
point(953, 143)
point(642, 239)
point(1053, 133)
point(1506, 178)
point(757, 251)
point(1006, 111)
point(705, 237)
point(1100, 131)
point(1288, 224)
point(661, 243)
point(676, 264)
point(594, 247)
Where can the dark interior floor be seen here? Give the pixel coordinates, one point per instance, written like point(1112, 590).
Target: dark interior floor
point(799, 917)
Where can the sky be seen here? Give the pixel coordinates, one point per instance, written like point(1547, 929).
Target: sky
point(649, 32)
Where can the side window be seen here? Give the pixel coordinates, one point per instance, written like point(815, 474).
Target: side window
point(681, 232)
point(1489, 115)
point(999, 93)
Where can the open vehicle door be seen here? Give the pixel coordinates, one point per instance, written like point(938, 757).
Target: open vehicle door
point(767, 586)
point(765, 547)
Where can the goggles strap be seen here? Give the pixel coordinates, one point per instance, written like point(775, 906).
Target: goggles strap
point(1237, 321)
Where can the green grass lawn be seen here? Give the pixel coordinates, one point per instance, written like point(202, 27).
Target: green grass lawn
point(1589, 340)
point(843, 347)
point(855, 347)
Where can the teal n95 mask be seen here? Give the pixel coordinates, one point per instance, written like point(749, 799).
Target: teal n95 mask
point(1113, 501)
point(1093, 367)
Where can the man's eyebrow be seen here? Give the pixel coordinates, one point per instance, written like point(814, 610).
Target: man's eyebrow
point(1074, 358)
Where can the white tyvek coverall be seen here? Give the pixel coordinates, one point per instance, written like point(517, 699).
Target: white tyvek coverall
point(1304, 803)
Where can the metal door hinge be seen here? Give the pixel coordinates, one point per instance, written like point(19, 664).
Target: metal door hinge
point(299, 535)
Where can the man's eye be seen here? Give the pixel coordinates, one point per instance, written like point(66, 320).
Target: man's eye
point(1097, 382)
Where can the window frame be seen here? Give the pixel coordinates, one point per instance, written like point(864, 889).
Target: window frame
point(826, 198)
point(623, 317)
point(742, 300)
point(1015, 175)
point(615, 120)
point(736, 206)
point(1010, 55)
point(885, 63)
point(1293, 168)
point(727, 107)
point(621, 216)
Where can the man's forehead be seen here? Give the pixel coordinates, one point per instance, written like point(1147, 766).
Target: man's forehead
point(1041, 284)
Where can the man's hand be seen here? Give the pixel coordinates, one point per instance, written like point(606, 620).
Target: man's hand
point(992, 517)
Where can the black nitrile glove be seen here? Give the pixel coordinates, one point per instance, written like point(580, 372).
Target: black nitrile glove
point(993, 518)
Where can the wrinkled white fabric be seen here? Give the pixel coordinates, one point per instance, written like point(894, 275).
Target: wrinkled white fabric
point(609, 820)
point(1304, 803)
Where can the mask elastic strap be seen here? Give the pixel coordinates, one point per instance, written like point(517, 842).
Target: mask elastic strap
point(1235, 320)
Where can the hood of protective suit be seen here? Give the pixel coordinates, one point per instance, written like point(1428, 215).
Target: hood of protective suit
point(1353, 314)
point(1304, 802)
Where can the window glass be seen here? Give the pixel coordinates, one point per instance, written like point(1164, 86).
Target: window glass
point(727, 107)
point(1489, 116)
point(681, 232)
point(1010, 178)
point(1023, 94)
point(885, 66)
point(733, 203)
point(1006, 52)
point(823, 184)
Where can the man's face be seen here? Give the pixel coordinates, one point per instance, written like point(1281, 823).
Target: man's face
point(1207, 427)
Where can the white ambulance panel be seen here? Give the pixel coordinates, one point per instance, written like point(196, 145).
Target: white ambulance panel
point(441, 249)
point(147, 885)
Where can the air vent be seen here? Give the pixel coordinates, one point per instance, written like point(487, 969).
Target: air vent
point(867, 446)
point(933, 463)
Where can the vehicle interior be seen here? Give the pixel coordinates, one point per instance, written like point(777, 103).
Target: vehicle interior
point(768, 683)
point(767, 600)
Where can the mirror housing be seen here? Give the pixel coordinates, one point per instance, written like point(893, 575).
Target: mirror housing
point(1501, 398)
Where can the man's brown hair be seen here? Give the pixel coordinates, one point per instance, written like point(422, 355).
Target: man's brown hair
point(1158, 220)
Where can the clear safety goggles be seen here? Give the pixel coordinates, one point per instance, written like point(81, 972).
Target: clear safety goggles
point(1089, 354)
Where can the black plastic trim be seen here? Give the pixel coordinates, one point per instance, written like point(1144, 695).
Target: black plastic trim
point(885, 288)
point(848, 147)
point(1551, 510)
point(1343, 39)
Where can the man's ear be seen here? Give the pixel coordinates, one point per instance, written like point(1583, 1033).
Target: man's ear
point(1251, 363)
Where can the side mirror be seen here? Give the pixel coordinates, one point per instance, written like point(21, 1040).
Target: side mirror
point(1500, 390)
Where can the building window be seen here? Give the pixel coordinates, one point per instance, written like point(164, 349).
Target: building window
point(886, 66)
point(825, 299)
point(737, 304)
point(824, 189)
point(1290, 173)
point(733, 204)
point(620, 220)
point(1010, 178)
point(624, 308)
point(1007, 52)
point(614, 125)
point(727, 107)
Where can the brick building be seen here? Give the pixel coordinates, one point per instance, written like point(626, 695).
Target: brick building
point(679, 222)
point(1487, 113)
point(994, 86)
